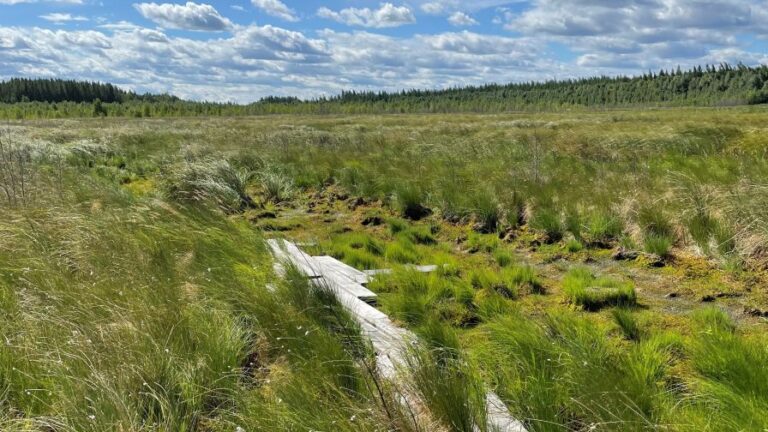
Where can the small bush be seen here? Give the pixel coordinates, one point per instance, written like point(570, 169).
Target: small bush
point(584, 289)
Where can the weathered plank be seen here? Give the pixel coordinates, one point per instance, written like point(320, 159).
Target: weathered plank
point(338, 280)
point(347, 271)
point(286, 251)
point(420, 269)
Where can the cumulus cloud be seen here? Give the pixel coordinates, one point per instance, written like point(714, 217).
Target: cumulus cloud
point(387, 15)
point(276, 8)
point(639, 33)
point(460, 19)
point(190, 16)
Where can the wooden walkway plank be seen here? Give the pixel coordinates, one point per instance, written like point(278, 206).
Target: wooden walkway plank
point(286, 251)
point(337, 275)
point(347, 271)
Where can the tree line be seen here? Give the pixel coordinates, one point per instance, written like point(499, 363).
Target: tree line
point(711, 85)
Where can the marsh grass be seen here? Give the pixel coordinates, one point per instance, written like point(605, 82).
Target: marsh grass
point(583, 289)
point(452, 391)
point(212, 181)
point(549, 222)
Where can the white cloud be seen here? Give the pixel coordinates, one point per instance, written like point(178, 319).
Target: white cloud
point(62, 17)
point(276, 8)
point(439, 6)
point(191, 16)
point(388, 15)
point(460, 19)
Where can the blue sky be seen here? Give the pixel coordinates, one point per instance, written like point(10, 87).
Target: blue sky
point(242, 50)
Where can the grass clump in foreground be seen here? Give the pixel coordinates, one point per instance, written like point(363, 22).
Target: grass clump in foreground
point(583, 289)
point(114, 317)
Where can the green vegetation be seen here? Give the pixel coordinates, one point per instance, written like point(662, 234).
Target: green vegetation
point(136, 292)
point(583, 289)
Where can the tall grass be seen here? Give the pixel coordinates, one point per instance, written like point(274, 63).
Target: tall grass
point(583, 289)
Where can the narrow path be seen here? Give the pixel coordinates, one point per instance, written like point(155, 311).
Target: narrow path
point(390, 342)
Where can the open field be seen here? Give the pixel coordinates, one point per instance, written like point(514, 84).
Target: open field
point(598, 270)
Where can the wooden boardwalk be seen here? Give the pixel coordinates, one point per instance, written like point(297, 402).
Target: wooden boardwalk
point(390, 342)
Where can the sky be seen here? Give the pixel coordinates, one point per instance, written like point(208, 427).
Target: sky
point(243, 50)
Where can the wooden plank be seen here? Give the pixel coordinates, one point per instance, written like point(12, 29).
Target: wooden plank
point(345, 270)
point(338, 277)
point(286, 251)
point(420, 269)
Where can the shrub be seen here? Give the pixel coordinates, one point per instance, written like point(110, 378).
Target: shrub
point(584, 289)
point(548, 221)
